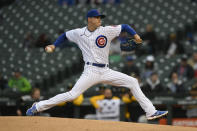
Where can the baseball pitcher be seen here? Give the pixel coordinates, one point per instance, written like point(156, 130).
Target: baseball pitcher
point(94, 41)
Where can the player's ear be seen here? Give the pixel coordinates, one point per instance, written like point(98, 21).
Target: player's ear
point(88, 19)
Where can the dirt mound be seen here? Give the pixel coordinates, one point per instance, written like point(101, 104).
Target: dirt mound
point(66, 124)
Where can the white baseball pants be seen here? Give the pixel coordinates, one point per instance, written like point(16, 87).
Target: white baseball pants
point(93, 75)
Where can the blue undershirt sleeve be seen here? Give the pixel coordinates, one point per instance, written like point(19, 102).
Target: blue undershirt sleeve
point(128, 29)
point(60, 40)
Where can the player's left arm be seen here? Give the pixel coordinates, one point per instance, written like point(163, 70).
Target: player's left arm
point(132, 32)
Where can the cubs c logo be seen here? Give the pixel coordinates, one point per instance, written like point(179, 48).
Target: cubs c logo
point(101, 41)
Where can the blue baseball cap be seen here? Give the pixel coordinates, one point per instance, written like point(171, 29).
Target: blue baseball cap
point(94, 13)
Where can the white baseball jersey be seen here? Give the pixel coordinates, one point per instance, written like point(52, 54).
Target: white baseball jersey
point(94, 45)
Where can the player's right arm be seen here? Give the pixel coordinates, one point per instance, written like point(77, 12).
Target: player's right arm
point(70, 35)
point(59, 40)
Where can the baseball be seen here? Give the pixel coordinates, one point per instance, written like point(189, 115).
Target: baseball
point(48, 49)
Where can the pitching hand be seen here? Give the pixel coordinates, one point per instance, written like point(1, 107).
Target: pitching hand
point(49, 48)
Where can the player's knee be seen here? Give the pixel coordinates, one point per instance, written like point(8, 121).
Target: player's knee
point(73, 95)
point(133, 82)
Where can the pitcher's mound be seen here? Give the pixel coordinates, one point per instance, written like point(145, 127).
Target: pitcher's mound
point(66, 124)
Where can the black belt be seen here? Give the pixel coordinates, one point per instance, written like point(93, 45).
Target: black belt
point(97, 64)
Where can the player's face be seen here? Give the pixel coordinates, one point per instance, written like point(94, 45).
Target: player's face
point(96, 21)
